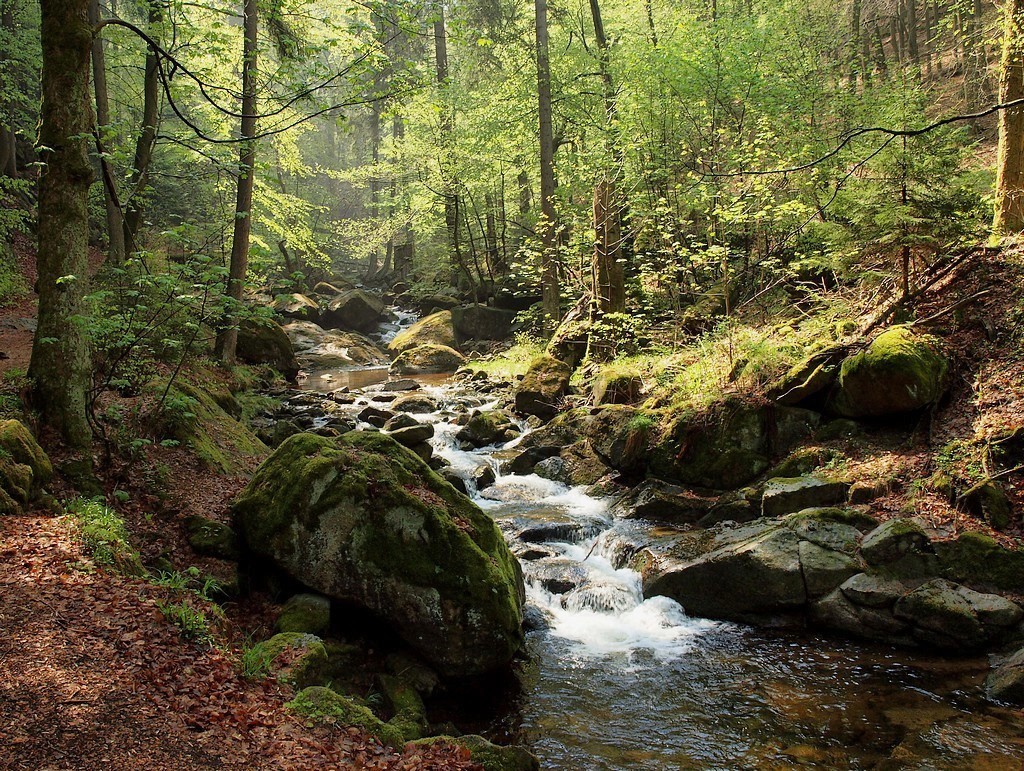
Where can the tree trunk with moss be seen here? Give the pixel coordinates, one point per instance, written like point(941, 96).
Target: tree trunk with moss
point(1009, 205)
point(60, 366)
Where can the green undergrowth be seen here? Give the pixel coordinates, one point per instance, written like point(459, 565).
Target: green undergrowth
point(189, 602)
point(510, 362)
point(104, 535)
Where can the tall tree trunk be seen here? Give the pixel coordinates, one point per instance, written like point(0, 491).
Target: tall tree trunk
point(550, 285)
point(854, 51)
point(227, 339)
point(911, 27)
point(139, 177)
point(448, 179)
point(60, 368)
point(8, 135)
point(1009, 204)
point(609, 282)
point(115, 221)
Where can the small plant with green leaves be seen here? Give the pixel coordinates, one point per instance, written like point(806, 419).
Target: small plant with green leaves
point(188, 602)
point(255, 661)
point(104, 535)
point(191, 622)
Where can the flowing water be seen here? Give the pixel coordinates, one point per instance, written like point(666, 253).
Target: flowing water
point(616, 681)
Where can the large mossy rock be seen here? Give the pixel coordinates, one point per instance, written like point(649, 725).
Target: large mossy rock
point(24, 468)
point(356, 310)
point(263, 341)
point(488, 427)
point(729, 445)
point(491, 757)
point(197, 418)
point(545, 383)
point(899, 372)
point(292, 657)
point(621, 436)
point(364, 520)
point(435, 329)
point(481, 322)
point(427, 359)
point(617, 387)
point(317, 704)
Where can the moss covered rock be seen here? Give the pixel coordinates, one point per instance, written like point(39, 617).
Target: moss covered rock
point(305, 613)
point(212, 539)
point(362, 519)
point(24, 468)
point(481, 322)
point(545, 383)
point(262, 341)
point(427, 359)
point(617, 387)
point(296, 306)
point(295, 658)
point(491, 756)
point(435, 329)
point(900, 371)
point(486, 428)
point(192, 416)
point(979, 560)
point(988, 501)
point(322, 705)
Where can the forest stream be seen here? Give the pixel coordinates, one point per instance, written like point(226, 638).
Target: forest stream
point(617, 681)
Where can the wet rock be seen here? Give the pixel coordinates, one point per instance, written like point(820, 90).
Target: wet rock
point(413, 435)
point(988, 501)
point(661, 502)
point(416, 403)
point(375, 416)
point(435, 329)
point(554, 469)
point(486, 428)
point(362, 520)
point(306, 614)
point(450, 476)
point(402, 420)
point(1005, 683)
point(534, 619)
point(621, 436)
point(872, 591)
point(427, 359)
point(541, 390)
point(782, 495)
point(483, 476)
point(424, 450)
point(942, 615)
point(900, 371)
point(525, 461)
point(402, 384)
point(558, 576)
point(297, 306)
point(355, 310)
point(263, 341)
point(212, 539)
point(835, 611)
point(480, 322)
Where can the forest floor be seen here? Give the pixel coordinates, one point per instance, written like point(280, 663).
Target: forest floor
point(93, 675)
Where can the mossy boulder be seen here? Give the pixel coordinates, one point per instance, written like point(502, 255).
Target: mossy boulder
point(25, 468)
point(363, 520)
point(435, 329)
point(491, 757)
point(305, 614)
point(322, 705)
point(1005, 683)
point(900, 371)
point(408, 713)
point(617, 387)
point(570, 341)
point(621, 436)
point(783, 495)
point(979, 560)
point(191, 415)
point(988, 501)
point(427, 359)
point(728, 445)
point(486, 428)
point(356, 310)
point(545, 383)
point(295, 658)
point(263, 341)
point(212, 539)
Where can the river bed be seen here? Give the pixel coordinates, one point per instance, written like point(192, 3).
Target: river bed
point(615, 681)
